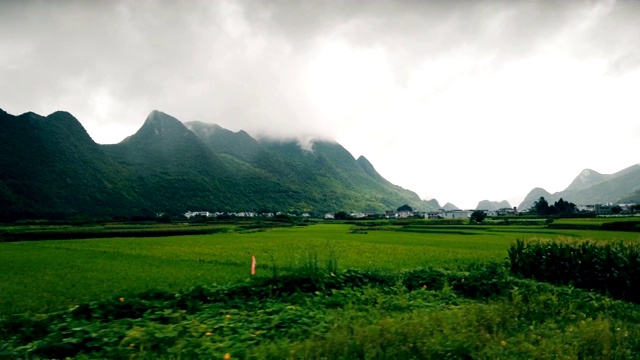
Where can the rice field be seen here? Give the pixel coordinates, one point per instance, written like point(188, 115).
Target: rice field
point(41, 276)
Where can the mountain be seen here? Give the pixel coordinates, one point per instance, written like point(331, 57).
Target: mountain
point(591, 187)
point(432, 204)
point(51, 167)
point(492, 205)
point(450, 206)
point(613, 189)
point(324, 177)
point(368, 168)
point(222, 141)
point(173, 169)
point(586, 178)
point(633, 198)
point(533, 196)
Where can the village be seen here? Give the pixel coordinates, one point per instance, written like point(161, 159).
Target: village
point(405, 212)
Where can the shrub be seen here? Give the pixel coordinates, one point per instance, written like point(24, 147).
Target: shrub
point(482, 281)
point(431, 278)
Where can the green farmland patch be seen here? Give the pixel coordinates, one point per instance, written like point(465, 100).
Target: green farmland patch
point(45, 275)
point(594, 220)
point(323, 291)
point(613, 223)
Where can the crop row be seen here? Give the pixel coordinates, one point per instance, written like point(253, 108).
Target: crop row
point(608, 267)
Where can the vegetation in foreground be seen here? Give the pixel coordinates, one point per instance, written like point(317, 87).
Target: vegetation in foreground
point(474, 309)
point(481, 312)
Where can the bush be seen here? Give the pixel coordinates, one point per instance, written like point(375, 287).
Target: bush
point(482, 280)
point(621, 226)
point(426, 278)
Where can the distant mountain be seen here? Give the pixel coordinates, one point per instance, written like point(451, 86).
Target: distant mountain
point(533, 196)
point(432, 204)
point(591, 187)
point(614, 188)
point(586, 178)
point(51, 167)
point(492, 205)
point(450, 206)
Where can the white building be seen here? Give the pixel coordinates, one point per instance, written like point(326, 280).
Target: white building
point(190, 214)
point(439, 214)
point(457, 214)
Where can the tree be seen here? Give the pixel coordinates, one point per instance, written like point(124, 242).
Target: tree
point(478, 216)
point(341, 215)
point(405, 207)
point(616, 210)
point(541, 206)
point(164, 218)
point(564, 207)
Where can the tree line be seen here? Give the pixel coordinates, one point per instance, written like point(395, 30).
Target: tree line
point(560, 207)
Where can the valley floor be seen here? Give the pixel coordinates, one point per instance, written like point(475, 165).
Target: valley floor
point(418, 292)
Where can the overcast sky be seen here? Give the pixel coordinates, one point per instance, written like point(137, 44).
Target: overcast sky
point(458, 100)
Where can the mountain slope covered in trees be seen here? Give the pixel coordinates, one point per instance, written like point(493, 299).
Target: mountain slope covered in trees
point(325, 174)
point(51, 167)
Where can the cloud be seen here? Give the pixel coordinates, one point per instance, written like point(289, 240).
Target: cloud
point(629, 62)
point(436, 77)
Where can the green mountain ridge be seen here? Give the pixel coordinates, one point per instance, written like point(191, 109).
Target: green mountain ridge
point(344, 181)
point(171, 168)
point(52, 167)
point(591, 187)
point(45, 160)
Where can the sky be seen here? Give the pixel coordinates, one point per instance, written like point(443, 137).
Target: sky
point(460, 101)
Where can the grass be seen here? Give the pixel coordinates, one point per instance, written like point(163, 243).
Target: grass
point(42, 276)
point(481, 313)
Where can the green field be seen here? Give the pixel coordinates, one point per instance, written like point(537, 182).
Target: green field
point(423, 290)
point(41, 276)
point(596, 220)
